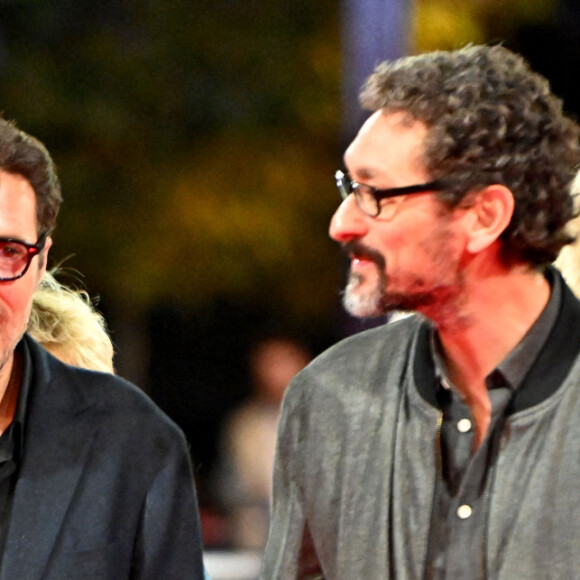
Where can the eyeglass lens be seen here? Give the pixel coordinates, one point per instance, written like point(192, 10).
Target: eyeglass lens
point(14, 259)
point(364, 195)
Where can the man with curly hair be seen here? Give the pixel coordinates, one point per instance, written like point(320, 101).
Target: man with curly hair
point(444, 445)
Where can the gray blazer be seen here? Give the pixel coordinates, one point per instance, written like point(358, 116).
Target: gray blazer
point(356, 463)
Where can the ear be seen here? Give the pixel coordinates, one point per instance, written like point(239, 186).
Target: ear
point(490, 214)
point(43, 258)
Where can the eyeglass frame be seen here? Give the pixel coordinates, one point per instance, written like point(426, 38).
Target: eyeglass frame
point(32, 251)
point(346, 186)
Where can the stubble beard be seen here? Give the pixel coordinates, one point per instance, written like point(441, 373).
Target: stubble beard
point(377, 300)
point(7, 349)
point(358, 302)
point(363, 304)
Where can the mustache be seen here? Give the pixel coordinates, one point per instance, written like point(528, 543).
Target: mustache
point(359, 250)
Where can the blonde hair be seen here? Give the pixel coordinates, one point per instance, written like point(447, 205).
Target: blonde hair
point(65, 322)
point(568, 262)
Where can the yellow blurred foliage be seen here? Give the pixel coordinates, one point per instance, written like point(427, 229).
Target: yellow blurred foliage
point(450, 24)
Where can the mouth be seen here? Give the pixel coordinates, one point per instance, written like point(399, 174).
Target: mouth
point(361, 262)
point(362, 257)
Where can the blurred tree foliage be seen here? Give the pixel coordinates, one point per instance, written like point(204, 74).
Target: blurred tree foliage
point(196, 140)
point(450, 24)
point(544, 31)
point(196, 143)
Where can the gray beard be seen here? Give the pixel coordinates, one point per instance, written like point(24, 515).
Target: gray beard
point(363, 305)
point(377, 301)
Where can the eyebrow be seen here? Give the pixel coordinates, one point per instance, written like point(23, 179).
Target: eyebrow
point(365, 173)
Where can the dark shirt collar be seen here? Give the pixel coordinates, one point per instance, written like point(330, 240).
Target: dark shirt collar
point(12, 440)
point(24, 394)
point(543, 378)
point(517, 364)
point(513, 369)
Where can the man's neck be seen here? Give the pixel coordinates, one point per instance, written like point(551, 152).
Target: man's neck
point(494, 317)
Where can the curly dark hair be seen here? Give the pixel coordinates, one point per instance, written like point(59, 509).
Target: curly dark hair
point(491, 120)
point(22, 154)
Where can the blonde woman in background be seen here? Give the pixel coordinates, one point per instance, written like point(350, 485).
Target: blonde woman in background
point(65, 322)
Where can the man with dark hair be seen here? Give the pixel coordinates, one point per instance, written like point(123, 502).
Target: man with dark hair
point(446, 444)
point(95, 482)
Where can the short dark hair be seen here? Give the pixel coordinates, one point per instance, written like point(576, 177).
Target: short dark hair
point(22, 154)
point(491, 120)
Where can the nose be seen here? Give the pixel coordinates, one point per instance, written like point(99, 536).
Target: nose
point(348, 222)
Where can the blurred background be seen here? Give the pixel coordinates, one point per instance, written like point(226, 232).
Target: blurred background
point(196, 142)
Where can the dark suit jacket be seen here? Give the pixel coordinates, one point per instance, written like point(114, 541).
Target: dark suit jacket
point(105, 487)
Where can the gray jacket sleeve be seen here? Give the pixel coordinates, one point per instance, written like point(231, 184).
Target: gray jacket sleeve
point(289, 552)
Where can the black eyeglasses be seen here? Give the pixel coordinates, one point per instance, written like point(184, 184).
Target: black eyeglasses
point(16, 255)
point(368, 198)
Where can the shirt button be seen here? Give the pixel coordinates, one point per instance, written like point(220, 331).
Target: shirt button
point(464, 425)
point(464, 511)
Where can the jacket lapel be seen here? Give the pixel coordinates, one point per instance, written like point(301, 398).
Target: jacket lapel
point(59, 434)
